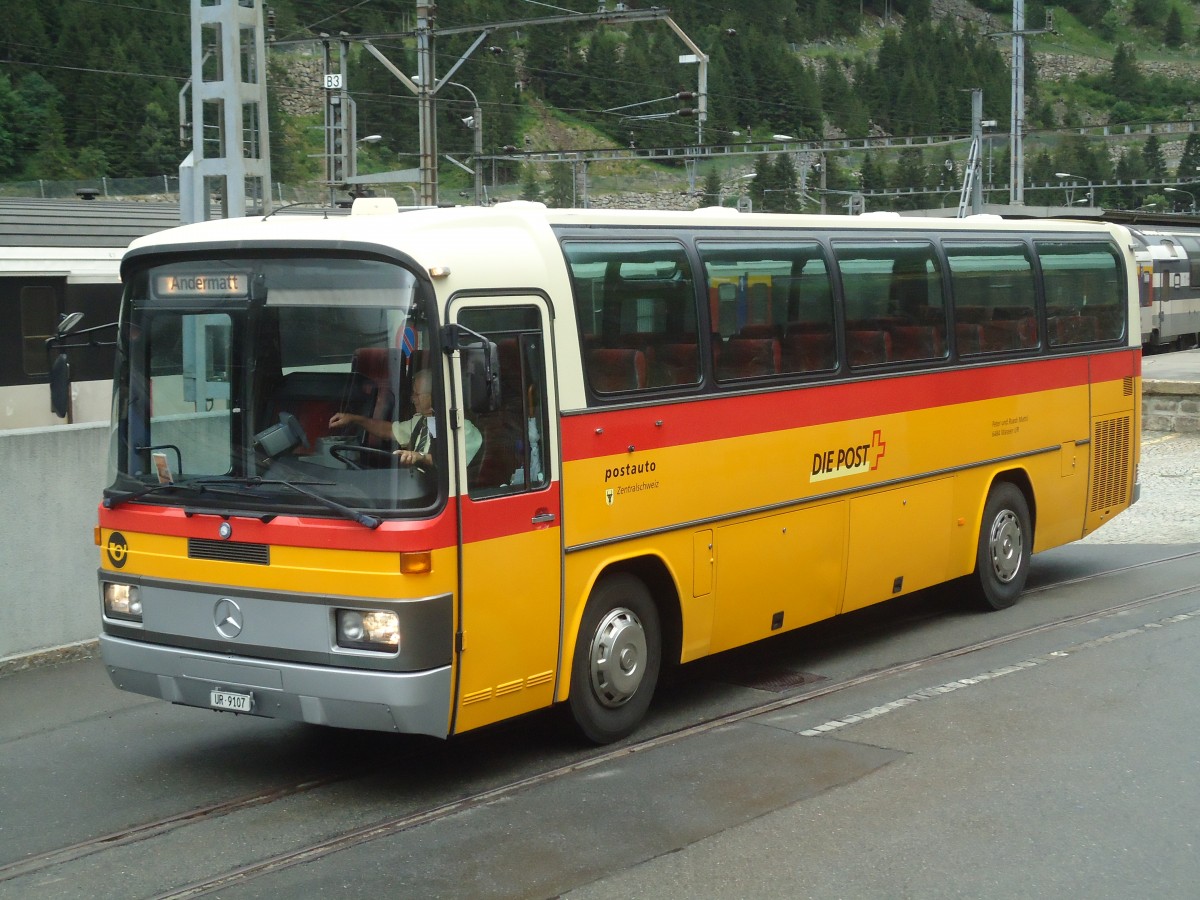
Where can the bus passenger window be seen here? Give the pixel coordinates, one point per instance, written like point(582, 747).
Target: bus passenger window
point(636, 305)
point(994, 297)
point(1085, 297)
point(772, 308)
point(893, 289)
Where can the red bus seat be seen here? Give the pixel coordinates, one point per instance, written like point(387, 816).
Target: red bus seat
point(313, 398)
point(809, 351)
point(969, 337)
point(915, 342)
point(758, 331)
point(676, 364)
point(1072, 330)
point(868, 348)
point(748, 358)
point(799, 326)
point(1009, 334)
point(616, 369)
point(379, 371)
point(972, 315)
point(1013, 312)
point(496, 460)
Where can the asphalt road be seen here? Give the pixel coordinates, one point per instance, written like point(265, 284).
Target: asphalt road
point(1059, 759)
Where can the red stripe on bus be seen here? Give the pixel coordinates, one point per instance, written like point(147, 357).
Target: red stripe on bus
point(601, 433)
point(392, 536)
point(485, 519)
point(1111, 366)
point(514, 514)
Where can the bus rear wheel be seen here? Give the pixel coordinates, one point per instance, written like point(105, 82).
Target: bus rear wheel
point(1005, 545)
point(618, 656)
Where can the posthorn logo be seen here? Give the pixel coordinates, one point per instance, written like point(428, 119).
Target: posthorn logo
point(117, 549)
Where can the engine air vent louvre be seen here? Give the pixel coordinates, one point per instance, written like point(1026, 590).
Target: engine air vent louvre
point(229, 551)
point(1127, 385)
point(1110, 467)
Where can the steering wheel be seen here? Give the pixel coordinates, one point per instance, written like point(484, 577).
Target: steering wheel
point(341, 452)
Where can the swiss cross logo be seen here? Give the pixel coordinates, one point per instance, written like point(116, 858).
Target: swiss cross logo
point(878, 449)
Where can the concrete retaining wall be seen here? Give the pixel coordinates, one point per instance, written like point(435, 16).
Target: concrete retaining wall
point(1170, 406)
point(52, 479)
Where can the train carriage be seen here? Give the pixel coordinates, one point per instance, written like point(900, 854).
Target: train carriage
point(59, 257)
point(1168, 286)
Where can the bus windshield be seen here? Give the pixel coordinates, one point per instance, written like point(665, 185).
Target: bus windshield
point(271, 385)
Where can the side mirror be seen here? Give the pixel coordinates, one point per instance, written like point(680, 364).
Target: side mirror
point(68, 323)
point(60, 386)
point(60, 369)
point(480, 367)
point(481, 377)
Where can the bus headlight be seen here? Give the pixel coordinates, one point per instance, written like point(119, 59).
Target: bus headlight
point(122, 601)
point(368, 629)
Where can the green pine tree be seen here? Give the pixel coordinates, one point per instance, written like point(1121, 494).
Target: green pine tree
point(1129, 167)
point(1173, 30)
point(789, 183)
point(711, 188)
point(561, 193)
point(1125, 80)
point(530, 189)
point(1189, 160)
point(1152, 156)
point(1149, 12)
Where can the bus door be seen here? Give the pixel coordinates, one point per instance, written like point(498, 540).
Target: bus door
point(510, 590)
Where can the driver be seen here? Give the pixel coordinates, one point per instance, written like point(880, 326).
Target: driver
point(413, 435)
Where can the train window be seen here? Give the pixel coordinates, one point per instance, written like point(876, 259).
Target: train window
point(39, 314)
point(1191, 248)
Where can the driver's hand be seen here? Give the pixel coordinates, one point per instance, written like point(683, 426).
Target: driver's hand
point(412, 458)
point(341, 420)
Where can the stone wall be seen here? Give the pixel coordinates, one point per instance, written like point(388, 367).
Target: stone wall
point(301, 92)
point(662, 200)
point(1170, 406)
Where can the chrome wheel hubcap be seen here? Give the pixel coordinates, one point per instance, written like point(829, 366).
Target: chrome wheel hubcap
point(1006, 546)
point(617, 657)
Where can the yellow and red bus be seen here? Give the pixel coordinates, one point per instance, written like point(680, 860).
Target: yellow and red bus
point(651, 437)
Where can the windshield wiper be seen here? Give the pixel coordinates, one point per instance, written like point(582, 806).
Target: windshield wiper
point(254, 481)
point(114, 502)
point(200, 485)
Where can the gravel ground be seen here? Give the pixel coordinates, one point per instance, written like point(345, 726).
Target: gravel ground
point(1169, 509)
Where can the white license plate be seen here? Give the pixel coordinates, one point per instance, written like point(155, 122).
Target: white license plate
point(231, 701)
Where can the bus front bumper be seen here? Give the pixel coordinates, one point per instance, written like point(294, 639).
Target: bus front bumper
point(408, 702)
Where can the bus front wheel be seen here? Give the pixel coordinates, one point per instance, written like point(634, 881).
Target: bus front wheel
point(1005, 545)
point(618, 655)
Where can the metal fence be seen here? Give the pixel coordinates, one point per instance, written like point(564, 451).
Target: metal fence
point(155, 187)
